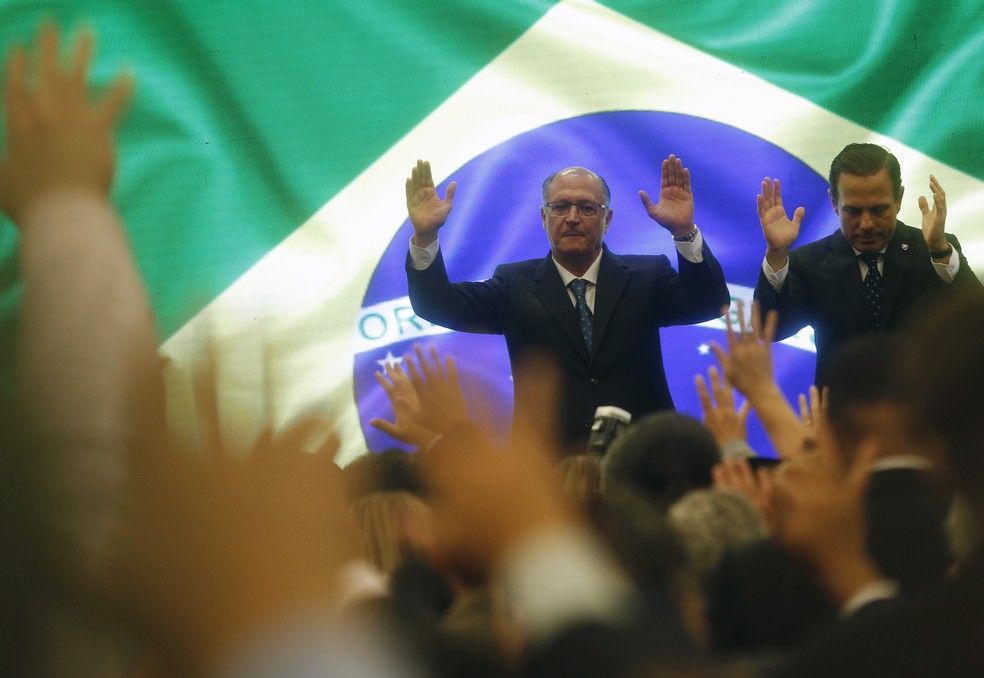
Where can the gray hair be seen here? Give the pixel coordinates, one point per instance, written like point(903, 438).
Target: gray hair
point(602, 184)
point(712, 521)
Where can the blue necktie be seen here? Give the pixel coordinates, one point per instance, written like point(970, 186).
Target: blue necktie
point(578, 286)
point(872, 284)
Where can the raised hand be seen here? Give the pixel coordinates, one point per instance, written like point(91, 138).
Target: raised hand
point(675, 209)
point(469, 476)
point(441, 403)
point(59, 137)
point(818, 504)
point(260, 538)
point(756, 485)
point(428, 211)
point(747, 363)
point(812, 409)
point(780, 232)
point(720, 415)
point(406, 426)
point(934, 220)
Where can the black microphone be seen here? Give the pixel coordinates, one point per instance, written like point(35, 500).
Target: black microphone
point(609, 422)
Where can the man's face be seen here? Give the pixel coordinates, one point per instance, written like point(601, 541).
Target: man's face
point(574, 236)
point(867, 208)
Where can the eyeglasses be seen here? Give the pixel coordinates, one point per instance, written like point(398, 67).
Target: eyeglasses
point(585, 209)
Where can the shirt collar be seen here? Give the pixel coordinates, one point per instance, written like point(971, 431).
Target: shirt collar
point(898, 461)
point(858, 253)
point(591, 275)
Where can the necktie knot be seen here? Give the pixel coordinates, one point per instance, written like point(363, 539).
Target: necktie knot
point(579, 287)
point(870, 258)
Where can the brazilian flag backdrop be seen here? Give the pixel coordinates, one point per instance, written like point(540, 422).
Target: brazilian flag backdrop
point(263, 158)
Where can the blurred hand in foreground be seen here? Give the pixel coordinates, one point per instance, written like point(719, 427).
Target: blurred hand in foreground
point(818, 504)
point(215, 547)
point(488, 499)
point(59, 137)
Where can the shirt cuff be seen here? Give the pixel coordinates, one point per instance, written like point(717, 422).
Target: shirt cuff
point(737, 449)
point(947, 272)
point(883, 589)
point(310, 644)
point(558, 578)
point(692, 251)
point(775, 278)
point(422, 257)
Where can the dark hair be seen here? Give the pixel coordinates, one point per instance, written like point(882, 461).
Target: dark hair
point(864, 160)
point(602, 184)
point(580, 476)
point(951, 372)
point(870, 369)
point(387, 471)
point(663, 456)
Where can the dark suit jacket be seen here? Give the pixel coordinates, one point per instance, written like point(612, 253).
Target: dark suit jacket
point(526, 301)
point(824, 289)
point(937, 633)
point(763, 599)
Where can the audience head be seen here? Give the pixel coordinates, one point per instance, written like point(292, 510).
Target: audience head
point(712, 521)
point(391, 470)
point(872, 390)
point(393, 526)
point(580, 476)
point(662, 456)
point(951, 374)
point(654, 556)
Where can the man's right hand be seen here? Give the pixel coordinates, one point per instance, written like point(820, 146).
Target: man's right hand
point(427, 211)
point(780, 233)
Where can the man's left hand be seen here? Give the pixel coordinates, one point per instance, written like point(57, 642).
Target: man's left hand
point(934, 220)
point(675, 209)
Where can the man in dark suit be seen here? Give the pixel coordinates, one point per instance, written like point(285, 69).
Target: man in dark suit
point(596, 312)
point(937, 632)
point(869, 275)
point(763, 598)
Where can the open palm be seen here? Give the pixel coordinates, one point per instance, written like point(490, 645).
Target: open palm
point(779, 230)
point(427, 210)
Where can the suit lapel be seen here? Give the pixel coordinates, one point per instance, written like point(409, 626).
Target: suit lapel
point(898, 255)
point(550, 292)
point(612, 276)
point(843, 264)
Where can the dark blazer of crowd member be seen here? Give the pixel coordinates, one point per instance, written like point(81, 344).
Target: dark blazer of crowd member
point(869, 275)
point(596, 312)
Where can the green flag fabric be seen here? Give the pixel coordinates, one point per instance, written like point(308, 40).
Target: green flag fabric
point(262, 161)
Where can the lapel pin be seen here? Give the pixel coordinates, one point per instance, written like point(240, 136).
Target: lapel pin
point(905, 247)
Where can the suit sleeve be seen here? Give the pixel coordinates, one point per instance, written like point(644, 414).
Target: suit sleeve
point(792, 300)
point(965, 279)
point(697, 293)
point(476, 307)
